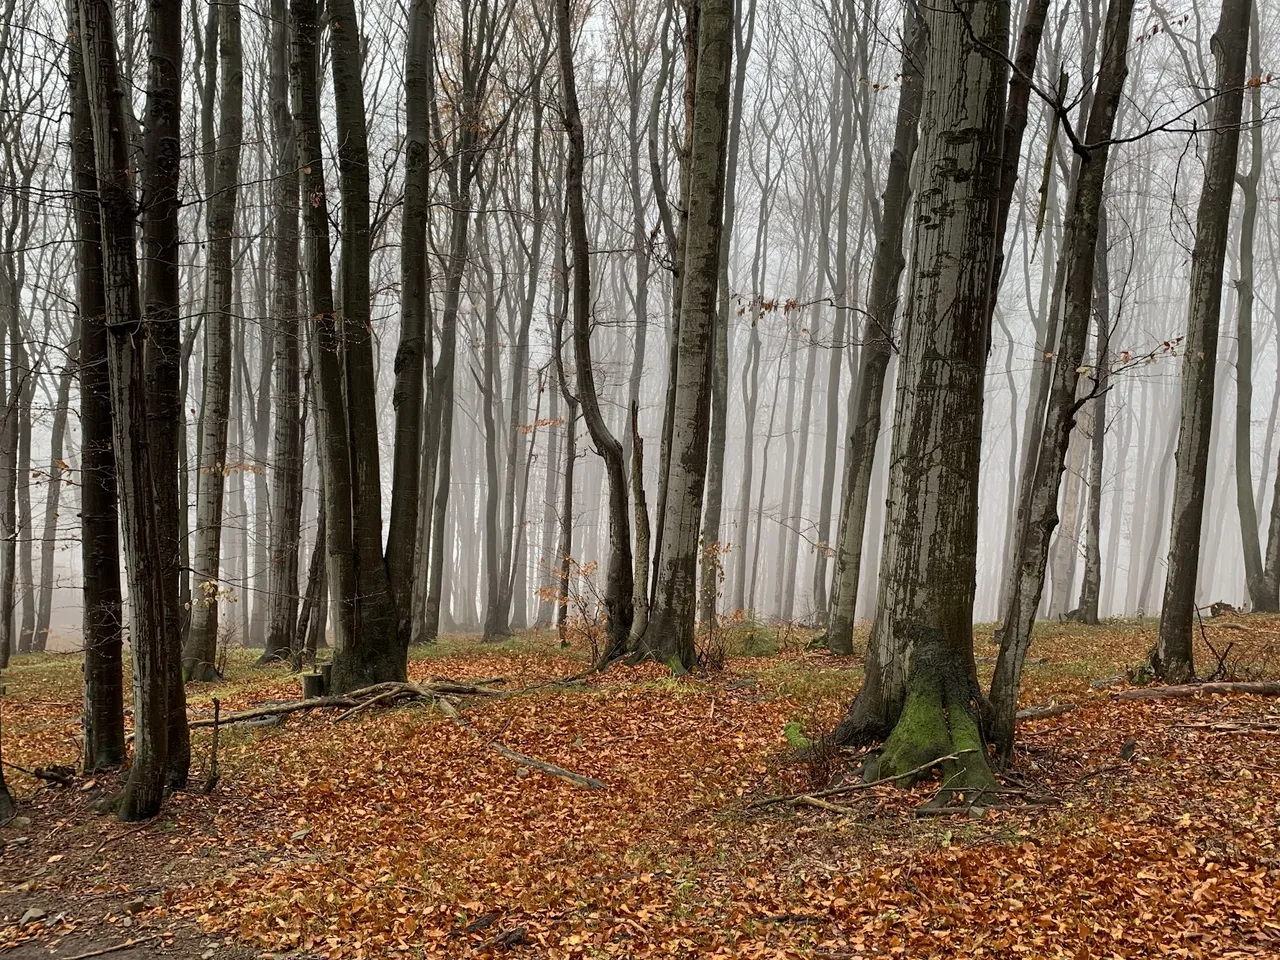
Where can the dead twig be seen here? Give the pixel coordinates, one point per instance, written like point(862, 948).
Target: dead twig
point(119, 836)
point(852, 787)
point(1043, 710)
point(128, 944)
point(551, 769)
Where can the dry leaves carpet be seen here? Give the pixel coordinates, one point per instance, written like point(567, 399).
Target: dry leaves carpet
point(395, 834)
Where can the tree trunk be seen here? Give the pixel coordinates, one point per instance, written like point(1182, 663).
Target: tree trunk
point(326, 340)
point(414, 285)
point(103, 716)
point(287, 462)
point(619, 576)
point(201, 648)
point(877, 342)
point(53, 494)
point(377, 652)
point(162, 294)
point(1264, 592)
point(144, 791)
point(1173, 661)
point(1050, 453)
point(669, 636)
point(920, 673)
point(1091, 589)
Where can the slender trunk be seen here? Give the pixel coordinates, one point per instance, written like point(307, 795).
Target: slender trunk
point(1264, 592)
point(287, 462)
point(414, 285)
point(53, 495)
point(201, 648)
point(878, 344)
point(619, 577)
point(1091, 589)
point(1173, 661)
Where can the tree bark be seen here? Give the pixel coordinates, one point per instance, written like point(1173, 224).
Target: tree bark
point(1091, 588)
point(670, 633)
point(201, 648)
point(920, 674)
point(103, 715)
point(144, 791)
point(619, 576)
point(1173, 660)
point(287, 462)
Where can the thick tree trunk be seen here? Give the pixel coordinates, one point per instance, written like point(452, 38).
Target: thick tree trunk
point(619, 576)
point(377, 652)
point(1050, 453)
point(920, 675)
point(877, 347)
point(414, 285)
point(1173, 660)
point(103, 715)
point(287, 462)
point(144, 791)
point(201, 647)
point(669, 636)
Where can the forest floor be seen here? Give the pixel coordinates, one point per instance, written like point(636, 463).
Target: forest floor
point(1150, 828)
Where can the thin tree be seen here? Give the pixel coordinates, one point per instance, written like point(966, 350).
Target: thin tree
point(201, 646)
point(670, 634)
point(619, 576)
point(1173, 659)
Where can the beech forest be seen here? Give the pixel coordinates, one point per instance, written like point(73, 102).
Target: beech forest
point(573, 479)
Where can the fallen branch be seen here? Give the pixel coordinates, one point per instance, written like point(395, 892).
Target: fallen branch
point(48, 774)
point(1258, 688)
point(1043, 710)
point(551, 769)
point(119, 836)
point(360, 699)
point(852, 787)
point(128, 944)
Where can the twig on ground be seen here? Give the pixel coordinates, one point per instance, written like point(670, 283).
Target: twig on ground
point(851, 787)
point(127, 945)
point(119, 836)
point(551, 769)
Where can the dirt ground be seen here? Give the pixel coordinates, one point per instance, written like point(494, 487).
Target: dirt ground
point(1133, 828)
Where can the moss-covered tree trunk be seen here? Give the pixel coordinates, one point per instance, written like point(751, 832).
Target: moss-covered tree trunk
point(921, 686)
